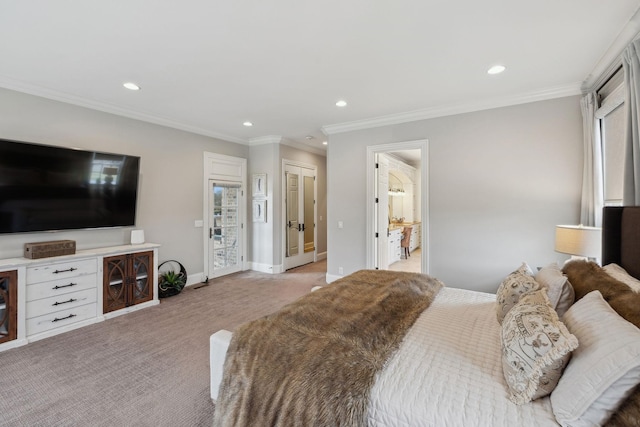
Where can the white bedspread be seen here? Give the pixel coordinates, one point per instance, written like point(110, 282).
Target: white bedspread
point(448, 371)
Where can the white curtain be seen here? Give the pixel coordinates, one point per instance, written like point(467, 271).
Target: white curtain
point(631, 64)
point(592, 175)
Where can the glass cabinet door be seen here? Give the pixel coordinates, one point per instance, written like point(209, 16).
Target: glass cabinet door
point(8, 301)
point(115, 273)
point(142, 288)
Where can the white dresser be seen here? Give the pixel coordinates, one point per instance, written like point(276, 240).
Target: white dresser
point(63, 293)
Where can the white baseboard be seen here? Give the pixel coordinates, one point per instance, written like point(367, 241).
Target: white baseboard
point(194, 279)
point(321, 256)
point(264, 268)
point(332, 277)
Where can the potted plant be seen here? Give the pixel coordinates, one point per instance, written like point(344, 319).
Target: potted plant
point(171, 283)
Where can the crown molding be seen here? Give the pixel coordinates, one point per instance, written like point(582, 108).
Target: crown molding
point(303, 147)
point(612, 58)
point(268, 139)
point(450, 110)
point(35, 90)
point(277, 139)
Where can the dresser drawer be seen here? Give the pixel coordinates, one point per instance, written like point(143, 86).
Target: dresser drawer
point(58, 319)
point(61, 302)
point(62, 270)
point(61, 287)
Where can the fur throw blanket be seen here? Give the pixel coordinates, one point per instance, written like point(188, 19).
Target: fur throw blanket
point(314, 362)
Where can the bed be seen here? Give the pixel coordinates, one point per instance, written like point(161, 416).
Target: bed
point(459, 359)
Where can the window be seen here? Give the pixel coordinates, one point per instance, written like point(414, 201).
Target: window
point(611, 115)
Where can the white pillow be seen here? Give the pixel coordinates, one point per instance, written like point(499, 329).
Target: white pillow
point(620, 274)
point(603, 369)
point(559, 290)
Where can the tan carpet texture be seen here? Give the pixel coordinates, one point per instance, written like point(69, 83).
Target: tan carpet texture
point(147, 368)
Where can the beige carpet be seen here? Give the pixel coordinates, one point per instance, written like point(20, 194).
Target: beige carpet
point(147, 368)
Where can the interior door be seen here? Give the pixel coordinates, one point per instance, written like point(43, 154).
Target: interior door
point(226, 228)
point(300, 233)
point(382, 211)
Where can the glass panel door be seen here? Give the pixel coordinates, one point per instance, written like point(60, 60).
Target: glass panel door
point(225, 234)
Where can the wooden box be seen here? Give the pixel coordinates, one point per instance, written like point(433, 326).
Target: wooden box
point(48, 249)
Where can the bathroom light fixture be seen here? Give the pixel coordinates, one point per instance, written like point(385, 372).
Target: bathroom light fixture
point(396, 192)
point(131, 86)
point(247, 124)
point(341, 103)
point(496, 69)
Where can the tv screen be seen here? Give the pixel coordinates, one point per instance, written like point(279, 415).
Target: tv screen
point(44, 188)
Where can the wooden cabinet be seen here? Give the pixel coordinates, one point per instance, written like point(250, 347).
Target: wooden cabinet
point(128, 280)
point(8, 305)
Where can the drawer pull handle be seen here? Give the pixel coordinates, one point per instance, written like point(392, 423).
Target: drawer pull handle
point(64, 318)
point(64, 302)
point(64, 286)
point(65, 271)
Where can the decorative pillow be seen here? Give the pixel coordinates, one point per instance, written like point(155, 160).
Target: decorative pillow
point(559, 290)
point(535, 348)
point(512, 288)
point(603, 370)
point(620, 274)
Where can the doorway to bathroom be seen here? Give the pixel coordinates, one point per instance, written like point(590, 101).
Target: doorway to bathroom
point(397, 200)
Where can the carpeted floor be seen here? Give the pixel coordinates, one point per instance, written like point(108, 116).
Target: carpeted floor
point(147, 368)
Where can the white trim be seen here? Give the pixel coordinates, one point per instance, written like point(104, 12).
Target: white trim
point(195, 279)
point(265, 268)
point(611, 102)
point(264, 140)
point(42, 92)
point(611, 59)
point(209, 159)
point(450, 110)
point(332, 277)
point(277, 139)
point(423, 145)
point(321, 256)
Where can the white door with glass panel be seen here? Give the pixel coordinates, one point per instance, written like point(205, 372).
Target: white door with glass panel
point(300, 214)
point(225, 228)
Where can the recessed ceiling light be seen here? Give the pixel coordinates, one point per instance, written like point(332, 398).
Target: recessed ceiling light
point(248, 124)
point(324, 143)
point(496, 69)
point(131, 86)
point(308, 137)
point(341, 103)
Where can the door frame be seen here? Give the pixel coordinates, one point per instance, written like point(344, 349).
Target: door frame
point(423, 145)
point(283, 205)
point(223, 168)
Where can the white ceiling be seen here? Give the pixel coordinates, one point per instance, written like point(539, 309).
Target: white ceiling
point(207, 66)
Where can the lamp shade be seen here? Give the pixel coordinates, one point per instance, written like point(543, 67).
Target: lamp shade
point(579, 240)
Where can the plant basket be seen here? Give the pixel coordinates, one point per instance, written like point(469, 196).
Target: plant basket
point(171, 283)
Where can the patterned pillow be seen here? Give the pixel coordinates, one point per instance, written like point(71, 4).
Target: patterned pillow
point(512, 288)
point(536, 346)
point(559, 290)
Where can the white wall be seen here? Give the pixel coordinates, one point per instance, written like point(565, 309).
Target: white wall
point(499, 181)
point(170, 192)
point(263, 159)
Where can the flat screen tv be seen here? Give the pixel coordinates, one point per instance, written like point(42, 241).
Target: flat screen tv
point(46, 188)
